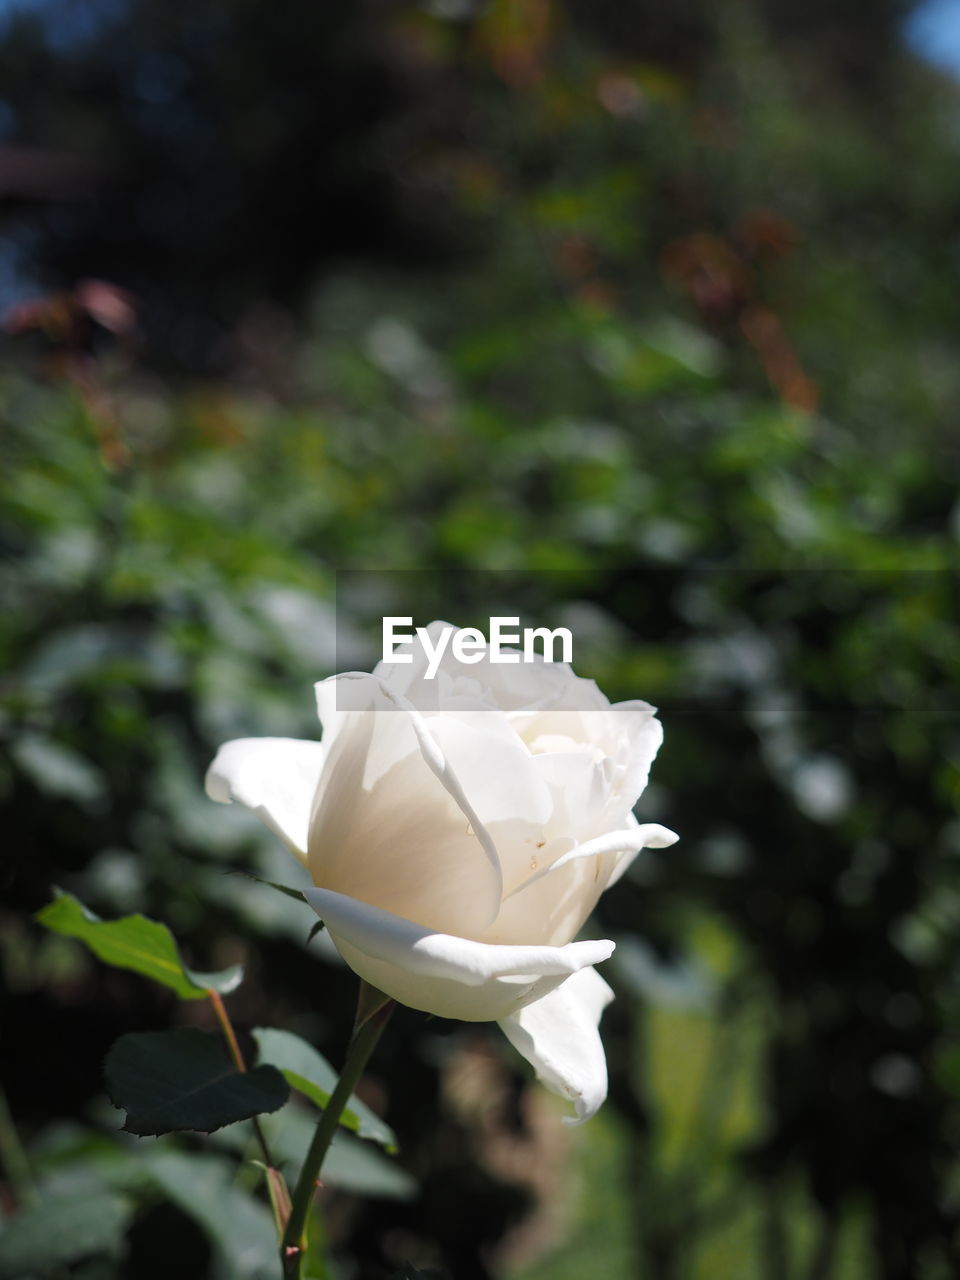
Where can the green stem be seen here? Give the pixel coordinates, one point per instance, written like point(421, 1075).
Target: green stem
point(276, 1187)
point(366, 1033)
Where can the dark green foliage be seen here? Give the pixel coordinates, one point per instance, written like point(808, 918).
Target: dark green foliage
point(63, 1227)
point(205, 1189)
point(170, 1081)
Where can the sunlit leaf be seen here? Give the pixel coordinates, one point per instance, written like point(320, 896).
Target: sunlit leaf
point(311, 1074)
point(134, 942)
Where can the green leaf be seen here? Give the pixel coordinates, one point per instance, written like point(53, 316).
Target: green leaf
point(185, 1079)
point(61, 1229)
point(298, 894)
point(240, 1227)
point(355, 1166)
point(134, 942)
point(351, 1165)
point(58, 770)
point(311, 1074)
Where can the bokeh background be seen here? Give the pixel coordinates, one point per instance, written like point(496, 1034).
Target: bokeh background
point(657, 304)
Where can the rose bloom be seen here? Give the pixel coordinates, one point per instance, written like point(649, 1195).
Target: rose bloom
point(459, 832)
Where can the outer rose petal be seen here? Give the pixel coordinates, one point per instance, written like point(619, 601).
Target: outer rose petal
point(558, 1034)
point(642, 738)
point(443, 974)
point(275, 777)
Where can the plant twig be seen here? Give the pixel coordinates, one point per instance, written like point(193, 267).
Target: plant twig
point(276, 1186)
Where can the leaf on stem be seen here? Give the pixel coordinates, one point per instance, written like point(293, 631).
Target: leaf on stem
point(311, 1074)
point(297, 894)
point(168, 1081)
point(134, 942)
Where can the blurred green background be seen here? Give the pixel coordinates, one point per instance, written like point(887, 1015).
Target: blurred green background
point(664, 297)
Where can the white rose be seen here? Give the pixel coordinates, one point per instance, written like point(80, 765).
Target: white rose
point(460, 831)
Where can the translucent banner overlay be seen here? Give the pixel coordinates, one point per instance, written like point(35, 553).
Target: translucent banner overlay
point(674, 637)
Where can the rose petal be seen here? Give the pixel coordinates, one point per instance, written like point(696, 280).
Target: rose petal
point(628, 840)
point(558, 1034)
point(640, 738)
point(620, 862)
point(480, 762)
point(275, 777)
point(581, 789)
point(507, 793)
point(392, 824)
point(442, 974)
point(329, 712)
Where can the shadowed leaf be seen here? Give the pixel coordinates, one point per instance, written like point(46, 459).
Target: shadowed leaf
point(358, 1167)
point(63, 1228)
point(238, 1225)
point(185, 1079)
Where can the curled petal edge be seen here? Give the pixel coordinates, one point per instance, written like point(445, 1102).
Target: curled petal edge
point(276, 778)
point(558, 1034)
point(649, 835)
point(443, 974)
